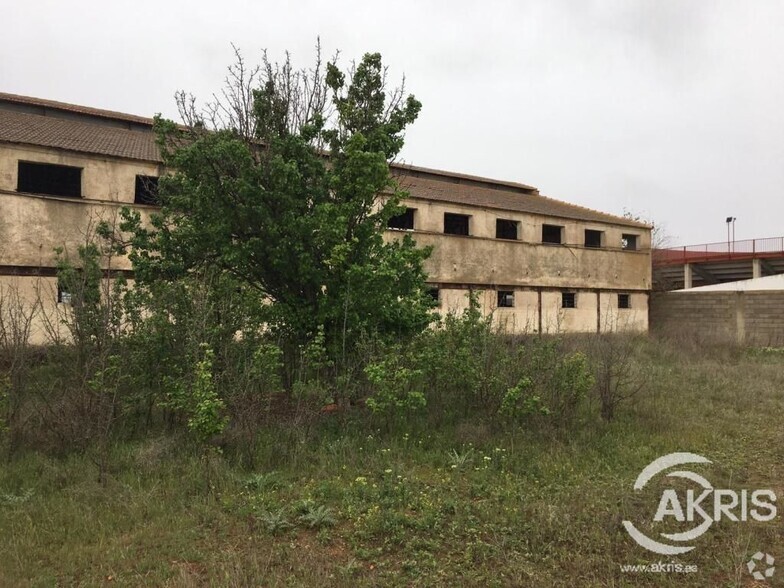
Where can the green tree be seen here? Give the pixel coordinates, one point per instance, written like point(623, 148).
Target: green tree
point(283, 186)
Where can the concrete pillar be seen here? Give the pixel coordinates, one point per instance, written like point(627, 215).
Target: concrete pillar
point(756, 268)
point(539, 307)
point(687, 276)
point(740, 318)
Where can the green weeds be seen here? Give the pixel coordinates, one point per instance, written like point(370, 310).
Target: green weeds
point(471, 502)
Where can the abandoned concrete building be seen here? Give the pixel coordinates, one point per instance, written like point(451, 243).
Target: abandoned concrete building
point(538, 264)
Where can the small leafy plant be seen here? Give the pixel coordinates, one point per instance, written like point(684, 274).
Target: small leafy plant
point(317, 517)
point(207, 417)
point(274, 522)
point(262, 482)
point(459, 460)
point(9, 499)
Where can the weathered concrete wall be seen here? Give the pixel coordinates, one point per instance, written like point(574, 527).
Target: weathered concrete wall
point(752, 318)
point(764, 318)
point(482, 259)
point(594, 311)
point(32, 226)
point(35, 297)
point(613, 319)
point(103, 178)
point(429, 217)
point(536, 272)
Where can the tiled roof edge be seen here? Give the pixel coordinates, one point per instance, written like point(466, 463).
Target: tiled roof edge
point(75, 108)
point(113, 115)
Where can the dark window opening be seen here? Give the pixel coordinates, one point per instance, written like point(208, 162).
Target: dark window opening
point(403, 221)
point(455, 224)
point(629, 242)
point(63, 295)
point(624, 301)
point(505, 299)
point(506, 229)
point(593, 238)
point(568, 300)
point(435, 294)
point(552, 234)
point(146, 190)
point(47, 178)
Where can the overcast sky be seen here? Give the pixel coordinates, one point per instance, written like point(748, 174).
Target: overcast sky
point(673, 109)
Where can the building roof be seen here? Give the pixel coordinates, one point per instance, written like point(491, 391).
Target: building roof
point(501, 197)
point(454, 177)
point(77, 135)
point(52, 107)
point(56, 125)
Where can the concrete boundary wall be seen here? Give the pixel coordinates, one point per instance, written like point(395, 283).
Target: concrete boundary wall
point(748, 318)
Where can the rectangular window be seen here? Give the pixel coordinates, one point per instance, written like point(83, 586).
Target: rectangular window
point(593, 238)
point(505, 299)
point(629, 242)
point(435, 294)
point(568, 300)
point(624, 301)
point(455, 224)
point(146, 190)
point(63, 295)
point(506, 229)
point(403, 222)
point(552, 234)
point(47, 178)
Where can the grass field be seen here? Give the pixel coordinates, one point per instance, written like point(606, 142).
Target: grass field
point(337, 504)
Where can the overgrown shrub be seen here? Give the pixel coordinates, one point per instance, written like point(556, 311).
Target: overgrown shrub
point(17, 356)
point(252, 381)
point(620, 373)
point(77, 386)
point(193, 355)
point(206, 407)
point(464, 365)
point(312, 373)
point(395, 387)
point(470, 368)
point(520, 402)
point(5, 393)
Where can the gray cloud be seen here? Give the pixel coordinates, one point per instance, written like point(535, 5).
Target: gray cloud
point(666, 107)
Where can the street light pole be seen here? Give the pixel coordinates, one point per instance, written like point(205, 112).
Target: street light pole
point(730, 221)
point(733, 233)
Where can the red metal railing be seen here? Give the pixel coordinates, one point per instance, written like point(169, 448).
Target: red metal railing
point(723, 251)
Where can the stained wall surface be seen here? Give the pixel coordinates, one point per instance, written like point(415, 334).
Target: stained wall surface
point(746, 318)
point(537, 274)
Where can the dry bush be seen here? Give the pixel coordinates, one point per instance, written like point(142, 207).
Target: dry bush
point(17, 355)
point(619, 370)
